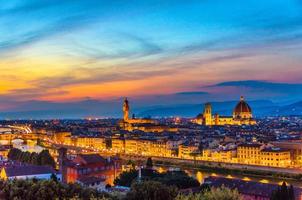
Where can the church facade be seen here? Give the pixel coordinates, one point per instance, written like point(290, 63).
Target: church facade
point(242, 115)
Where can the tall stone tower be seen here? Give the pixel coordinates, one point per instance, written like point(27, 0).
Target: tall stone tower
point(207, 114)
point(126, 110)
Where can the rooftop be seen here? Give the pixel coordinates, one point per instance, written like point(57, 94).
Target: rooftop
point(92, 158)
point(27, 170)
point(249, 145)
point(275, 149)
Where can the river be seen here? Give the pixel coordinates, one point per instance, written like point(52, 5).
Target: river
point(201, 175)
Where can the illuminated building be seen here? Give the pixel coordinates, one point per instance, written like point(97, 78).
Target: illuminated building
point(61, 136)
point(146, 125)
point(242, 115)
point(227, 155)
point(295, 147)
point(275, 157)
point(249, 153)
point(4, 149)
point(144, 147)
point(154, 147)
point(80, 141)
point(17, 171)
point(186, 150)
point(257, 154)
point(99, 143)
point(132, 146)
point(118, 145)
point(224, 156)
point(92, 165)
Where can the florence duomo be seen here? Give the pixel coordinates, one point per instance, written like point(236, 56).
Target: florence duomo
point(242, 115)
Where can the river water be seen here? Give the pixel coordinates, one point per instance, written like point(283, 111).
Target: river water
point(201, 175)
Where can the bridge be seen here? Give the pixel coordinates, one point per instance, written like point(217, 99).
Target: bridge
point(17, 132)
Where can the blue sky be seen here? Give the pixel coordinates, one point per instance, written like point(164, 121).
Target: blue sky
point(70, 50)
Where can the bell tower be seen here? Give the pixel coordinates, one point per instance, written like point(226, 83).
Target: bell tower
point(126, 109)
point(207, 114)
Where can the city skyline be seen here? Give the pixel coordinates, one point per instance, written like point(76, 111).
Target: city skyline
point(154, 52)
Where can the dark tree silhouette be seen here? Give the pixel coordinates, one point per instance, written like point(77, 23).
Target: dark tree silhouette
point(149, 163)
point(151, 190)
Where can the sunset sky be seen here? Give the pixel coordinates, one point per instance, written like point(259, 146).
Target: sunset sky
point(70, 50)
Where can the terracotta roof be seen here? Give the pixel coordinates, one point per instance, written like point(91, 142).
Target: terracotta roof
point(92, 158)
point(275, 149)
point(26, 170)
point(249, 145)
point(242, 106)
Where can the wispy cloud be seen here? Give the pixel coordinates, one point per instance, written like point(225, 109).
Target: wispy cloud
point(176, 45)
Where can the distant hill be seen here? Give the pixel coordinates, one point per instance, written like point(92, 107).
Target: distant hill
point(292, 109)
point(96, 108)
point(259, 107)
point(70, 110)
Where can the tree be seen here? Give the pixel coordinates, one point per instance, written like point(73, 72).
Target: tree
point(54, 177)
point(221, 193)
point(191, 196)
point(44, 158)
point(291, 193)
point(205, 188)
point(25, 157)
point(46, 189)
point(34, 158)
point(200, 148)
point(130, 162)
point(126, 178)
point(13, 154)
point(283, 192)
point(151, 190)
point(149, 163)
point(180, 179)
point(194, 155)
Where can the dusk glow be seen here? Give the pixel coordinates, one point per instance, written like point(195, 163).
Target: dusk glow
point(64, 51)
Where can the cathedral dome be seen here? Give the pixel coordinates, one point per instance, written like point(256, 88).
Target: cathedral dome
point(242, 110)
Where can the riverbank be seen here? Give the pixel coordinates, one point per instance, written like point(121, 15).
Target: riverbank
point(227, 171)
point(224, 168)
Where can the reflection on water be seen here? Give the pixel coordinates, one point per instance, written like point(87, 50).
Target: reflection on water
point(201, 175)
point(229, 176)
point(246, 178)
point(161, 170)
point(264, 181)
point(213, 174)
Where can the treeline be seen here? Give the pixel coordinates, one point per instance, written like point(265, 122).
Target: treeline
point(152, 190)
point(283, 192)
point(42, 158)
point(147, 190)
point(179, 179)
point(46, 189)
